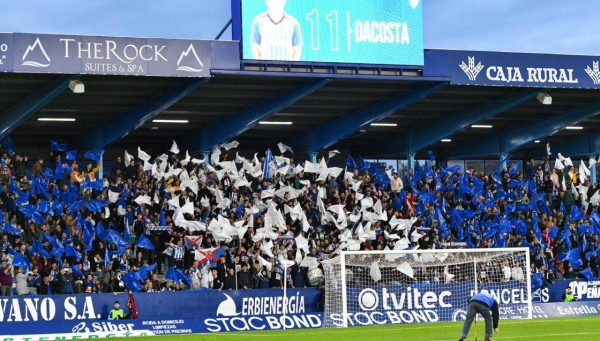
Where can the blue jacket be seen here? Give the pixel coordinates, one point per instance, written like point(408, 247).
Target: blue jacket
point(486, 299)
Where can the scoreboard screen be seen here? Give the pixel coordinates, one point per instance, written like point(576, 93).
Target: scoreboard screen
point(333, 31)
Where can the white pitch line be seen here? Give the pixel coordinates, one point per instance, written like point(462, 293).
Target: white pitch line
point(533, 335)
point(357, 329)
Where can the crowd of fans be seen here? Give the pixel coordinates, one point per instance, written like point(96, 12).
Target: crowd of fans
point(176, 223)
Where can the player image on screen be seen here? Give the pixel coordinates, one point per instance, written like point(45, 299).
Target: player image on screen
point(275, 34)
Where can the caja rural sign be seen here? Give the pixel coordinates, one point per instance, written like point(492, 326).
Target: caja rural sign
point(523, 70)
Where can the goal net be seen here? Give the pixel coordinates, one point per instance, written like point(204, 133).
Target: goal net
point(423, 286)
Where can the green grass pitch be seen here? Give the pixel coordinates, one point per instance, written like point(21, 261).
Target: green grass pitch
point(580, 329)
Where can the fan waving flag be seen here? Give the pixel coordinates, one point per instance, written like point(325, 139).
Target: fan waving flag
point(145, 243)
point(145, 269)
point(57, 147)
point(70, 251)
point(514, 169)
point(18, 259)
point(210, 255)
point(193, 242)
point(267, 165)
point(576, 214)
point(113, 237)
point(537, 280)
point(350, 163)
point(93, 155)
point(71, 155)
point(587, 273)
point(9, 145)
point(132, 283)
point(176, 276)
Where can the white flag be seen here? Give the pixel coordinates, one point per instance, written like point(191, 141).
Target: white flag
point(284, 148)
point(187, 159)
point(406, 269)
point(113, 197)
point(143, 199)
point(128, 157)
point(174, 149)
point(332, 153)
point(230, 145)
point(375, 272)
point(142, 155)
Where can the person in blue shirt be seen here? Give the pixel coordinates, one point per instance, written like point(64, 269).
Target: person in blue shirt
point(485, 305)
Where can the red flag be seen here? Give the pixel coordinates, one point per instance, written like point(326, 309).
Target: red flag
point(133, 311)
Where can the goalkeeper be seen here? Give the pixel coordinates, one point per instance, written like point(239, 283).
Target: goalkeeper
point(486, 305)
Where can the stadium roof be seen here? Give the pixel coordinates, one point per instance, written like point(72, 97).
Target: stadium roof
point(329, 109)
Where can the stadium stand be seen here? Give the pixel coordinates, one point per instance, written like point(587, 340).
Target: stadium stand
point(173, 222)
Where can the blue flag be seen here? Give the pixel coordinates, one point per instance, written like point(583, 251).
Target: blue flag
point(431, 155)
point(572, 257)
point(521, 228)
point(38, 247)
point(132, 283)
point(71, 155)
point(145, 269)
point(595, 218)
point(93, 155)
point(113, 237)
point(563, 209)
point(9, 145)
point(537, 280)
point(514, 169)
point(59, 173)
point(77, 270)
point(587, 273)
point(101, 231)
point(70, 251)
point(444, 230)
point(350, 163)
point(364, 165)
point(57, 147)
point(163, 220)
point(18, 259)
point(576, 214)
point(470, 242)
point(586, 230)
point(176, 275)
point(8, 228)
point(145, 243)
point(553, 232)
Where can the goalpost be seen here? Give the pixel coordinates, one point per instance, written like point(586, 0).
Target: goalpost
point(423, 286)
